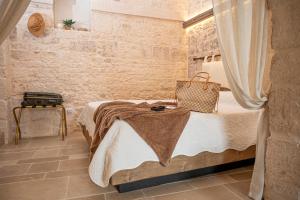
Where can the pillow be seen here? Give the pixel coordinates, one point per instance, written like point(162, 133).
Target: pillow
point(217, 73)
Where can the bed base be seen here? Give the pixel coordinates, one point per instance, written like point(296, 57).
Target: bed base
point(150, 182)
point(181, 167)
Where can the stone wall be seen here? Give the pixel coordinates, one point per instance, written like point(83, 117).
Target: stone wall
point(202, 37)
point(123, 57)
point(283, 147)
point(4, 90)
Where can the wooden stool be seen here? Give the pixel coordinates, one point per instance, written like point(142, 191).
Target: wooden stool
point(63, 126)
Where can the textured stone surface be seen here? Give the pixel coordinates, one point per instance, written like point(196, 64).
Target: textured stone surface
point(202, 37)
point(202, 41)
point(124, 56)
point(283, 147)
point(283, 170)
point(5, 81)
point(285, 29)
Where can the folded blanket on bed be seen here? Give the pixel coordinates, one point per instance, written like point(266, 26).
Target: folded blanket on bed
point(160, 129)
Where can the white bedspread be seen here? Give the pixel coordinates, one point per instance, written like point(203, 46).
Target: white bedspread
point(233, 127)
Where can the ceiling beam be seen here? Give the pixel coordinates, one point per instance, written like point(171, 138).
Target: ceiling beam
point(198, 18)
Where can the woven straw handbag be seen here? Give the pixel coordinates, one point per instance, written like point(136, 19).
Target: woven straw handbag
point(200, 96)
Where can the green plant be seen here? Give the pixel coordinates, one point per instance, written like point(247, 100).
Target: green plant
point(68, 23)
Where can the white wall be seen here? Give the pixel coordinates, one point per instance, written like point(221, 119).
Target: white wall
point(196, 7)
point(78, 10)
point(164, 9)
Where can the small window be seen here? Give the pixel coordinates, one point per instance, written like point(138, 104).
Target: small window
point(77, 10)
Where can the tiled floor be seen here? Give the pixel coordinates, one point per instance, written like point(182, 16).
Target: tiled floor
point(48, 168)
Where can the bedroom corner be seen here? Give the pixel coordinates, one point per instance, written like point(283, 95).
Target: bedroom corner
point(149, 100)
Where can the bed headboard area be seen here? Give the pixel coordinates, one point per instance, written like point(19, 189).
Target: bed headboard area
point(216, 71)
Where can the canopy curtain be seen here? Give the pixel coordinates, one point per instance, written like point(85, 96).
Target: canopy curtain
point(10, 13)
point(243, 39)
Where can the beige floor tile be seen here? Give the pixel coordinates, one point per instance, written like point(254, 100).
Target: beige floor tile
point(138, 194)
point(46, 153)
point(46, 159)
point(22, 145)
point(43, 167)
point(7, 162)
point(74, 164)
point(16, 156)
point(57, 147)
point(167, 188)
point(211, 193)
point(82, 186)
point(250, 167)
point(72, 151)
point(242, 176)
point(13, 170)
point(47, 141)
point(49, 189)
point(59, 170)
point(94, 197)
point(21, 178)
point(209, 181)
point(72, 172)
point(237, 170)
point(240, 188)
point(78, 156)
point(77, 141)
point(14, 150)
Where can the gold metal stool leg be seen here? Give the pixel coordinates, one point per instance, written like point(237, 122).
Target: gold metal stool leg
point(65, 121)
point(17, 119)
point(62, 129)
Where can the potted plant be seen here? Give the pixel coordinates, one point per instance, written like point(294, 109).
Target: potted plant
point(68, 24)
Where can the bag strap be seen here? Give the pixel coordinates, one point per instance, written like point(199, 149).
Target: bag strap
point(200, 75)
point(203, 75)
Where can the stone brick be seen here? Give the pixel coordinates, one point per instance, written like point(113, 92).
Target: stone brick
point(283, 174)
point(123, 57)
point(285, 29)
point(283, 149)
point(285, 67)
point(202, 41)
point(3, 110)
point(285, 113)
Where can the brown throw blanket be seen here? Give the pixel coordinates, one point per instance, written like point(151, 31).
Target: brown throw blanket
point(160, 129)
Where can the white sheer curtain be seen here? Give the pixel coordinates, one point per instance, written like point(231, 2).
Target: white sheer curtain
point(10, 13)
point(242, 35)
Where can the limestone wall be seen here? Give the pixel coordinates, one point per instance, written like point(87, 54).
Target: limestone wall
point(4, 90)
point(283, 147)
point(123, 56)
point(202, 37)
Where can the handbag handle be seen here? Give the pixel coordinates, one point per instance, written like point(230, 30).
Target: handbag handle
point(200, 75)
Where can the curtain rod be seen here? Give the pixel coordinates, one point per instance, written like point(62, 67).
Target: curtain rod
point(202, 58)
point(198, 18)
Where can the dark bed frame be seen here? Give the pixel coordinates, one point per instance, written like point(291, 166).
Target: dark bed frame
point(127, 187)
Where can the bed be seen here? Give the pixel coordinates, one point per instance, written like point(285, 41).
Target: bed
point(207, 140)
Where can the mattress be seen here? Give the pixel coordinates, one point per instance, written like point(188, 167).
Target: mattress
point(233, 127)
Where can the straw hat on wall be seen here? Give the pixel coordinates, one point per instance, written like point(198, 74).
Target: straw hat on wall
point(36, 25)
